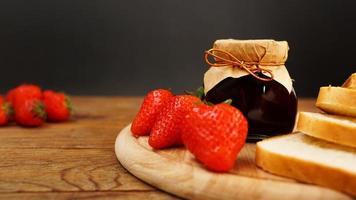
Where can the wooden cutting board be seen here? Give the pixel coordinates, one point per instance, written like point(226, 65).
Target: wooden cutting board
point(176, 171)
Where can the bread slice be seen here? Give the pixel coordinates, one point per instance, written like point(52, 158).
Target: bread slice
point(337, 129)
point(309, 160)
point(337, 100)
point(350, 82)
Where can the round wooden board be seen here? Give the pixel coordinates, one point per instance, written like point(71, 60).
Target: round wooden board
point(176, 171)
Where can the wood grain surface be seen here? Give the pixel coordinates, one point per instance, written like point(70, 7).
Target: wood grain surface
point(76, 159)
point(72, 160)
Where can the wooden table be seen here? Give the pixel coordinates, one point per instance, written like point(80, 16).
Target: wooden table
point(75, 160)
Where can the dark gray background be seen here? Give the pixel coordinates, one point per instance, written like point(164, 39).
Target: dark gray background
point(109, 47)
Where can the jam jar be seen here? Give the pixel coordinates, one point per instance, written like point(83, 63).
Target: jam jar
point(268, 106)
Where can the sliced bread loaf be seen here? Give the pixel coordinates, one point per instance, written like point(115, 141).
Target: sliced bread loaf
point(310, 160)
point(337, 129)
point(337, 100)
point(350, 82)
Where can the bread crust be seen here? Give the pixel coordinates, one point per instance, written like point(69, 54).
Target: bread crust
point(327, 130)
point(350, 82)
point(337, 100)
point(305, 171)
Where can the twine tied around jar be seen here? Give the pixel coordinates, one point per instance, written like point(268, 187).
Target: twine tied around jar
point(228, 59)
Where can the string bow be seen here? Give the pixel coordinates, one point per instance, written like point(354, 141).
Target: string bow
point(228, 59)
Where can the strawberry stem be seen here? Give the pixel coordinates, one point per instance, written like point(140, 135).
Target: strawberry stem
point(8, 109)
point(69, 104)
point(39, 110)
point(198, 92)
point(207, 103)
point(228, 101)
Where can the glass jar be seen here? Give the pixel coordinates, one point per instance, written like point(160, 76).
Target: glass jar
point(268, 102)
point(268, 106)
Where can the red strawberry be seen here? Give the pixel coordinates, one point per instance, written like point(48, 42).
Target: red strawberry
point(5, 112)
point(30, 112)
point(58, 106)
point(166, 131)
point(22, 92)
point(149, 110)
point(215, 135)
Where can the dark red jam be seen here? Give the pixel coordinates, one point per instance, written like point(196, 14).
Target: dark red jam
point(268, 106)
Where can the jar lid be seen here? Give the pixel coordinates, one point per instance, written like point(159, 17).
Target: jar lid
point(265, 52)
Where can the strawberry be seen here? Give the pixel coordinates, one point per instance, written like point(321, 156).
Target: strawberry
point(149, 110)
point(166, 131)
point(58, 106)
point(23, 92)
point(215, 135)
point(5, 112)
point(30, 112)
